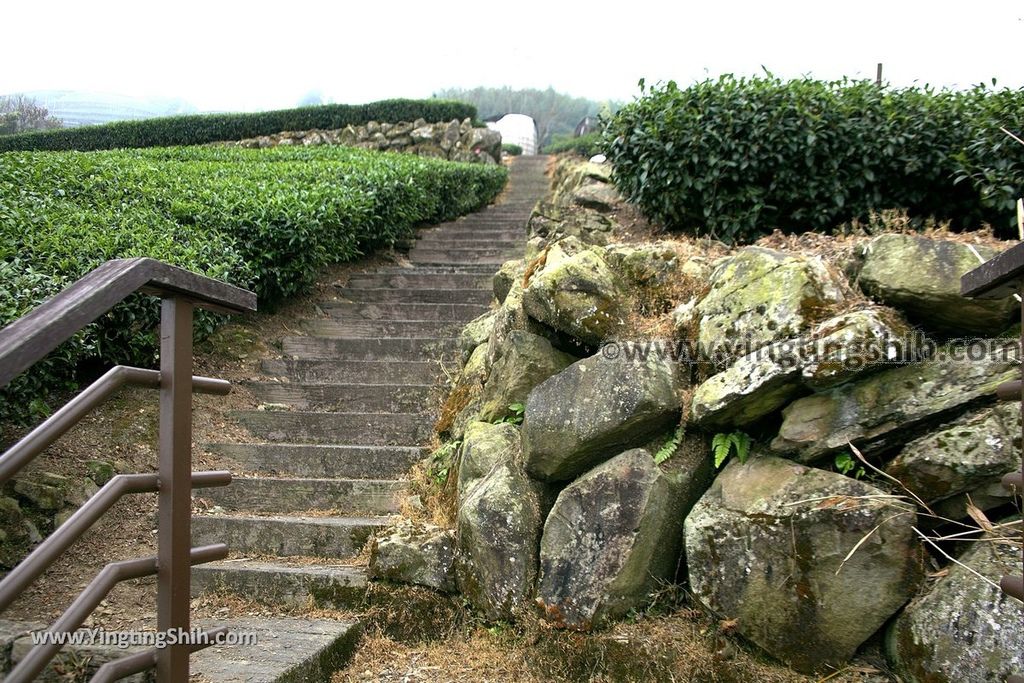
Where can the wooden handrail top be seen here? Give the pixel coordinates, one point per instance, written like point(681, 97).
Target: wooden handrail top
point(997, 278)
point(31, 337)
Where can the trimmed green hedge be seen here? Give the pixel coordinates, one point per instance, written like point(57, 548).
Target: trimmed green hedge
point(586, 145)
point(736, 158)
point(266, 219)
point(198, 129)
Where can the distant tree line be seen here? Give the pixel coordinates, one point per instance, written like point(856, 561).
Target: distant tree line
point(20, 114)
point(556, 113)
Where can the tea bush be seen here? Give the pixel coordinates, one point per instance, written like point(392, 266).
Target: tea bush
point(586, 145)
point(198, 129)
point(735, 158)
point(265, 219)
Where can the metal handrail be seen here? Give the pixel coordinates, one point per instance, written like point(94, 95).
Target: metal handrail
point(29, 339)
point(998, 278)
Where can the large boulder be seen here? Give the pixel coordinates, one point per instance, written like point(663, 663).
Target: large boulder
point(525, 361)
point(971, 453)
point(510, 272)
point(597, 195)
point(598, 407)
point(963, 629)
point(612, 536)
point(806, 566)
point(423, 556)
point(760, 296)
point(485, 446)
point(847, 345)
point(929, 291)
point(892, 407)
point(499, 527)
point(578, 295)
point(476, 332)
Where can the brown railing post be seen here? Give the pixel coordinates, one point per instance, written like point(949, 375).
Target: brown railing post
point(175, 496)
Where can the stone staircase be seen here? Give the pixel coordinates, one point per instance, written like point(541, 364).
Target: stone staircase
point(354, 405)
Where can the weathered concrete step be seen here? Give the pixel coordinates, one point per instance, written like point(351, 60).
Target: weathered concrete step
point(456, 269)
point(371, 329)
point(395, 311)
point(470, 241)
point(335, 537)
point(429, 296)
point(427, 280)
point(285, 651)
point(348, 496)
point(320, 461)
point(283, 584)
point(342, 398)
point(78, 660)
point(371, 429)
point(327, 371)
point(415, 348)
point(439, 258)
point(475, 254)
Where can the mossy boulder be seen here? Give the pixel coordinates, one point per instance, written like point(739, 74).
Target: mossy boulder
point(612, 537)
point(485, 446)
point(961, 457)
point(420, 555)
point(598, 407)
point(499, 527)
point(526, 361)
point(771, 546)
point(889, 408)
point(963, 629)
point(476, 332)
point(16, 533)
point(849, 344)
point(509, 273)
point(760, 296)
point(921, 276)
point(578, 295)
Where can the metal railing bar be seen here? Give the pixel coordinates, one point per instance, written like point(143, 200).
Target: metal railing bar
point(97, 590)
point(1014, 481)
point(32, 336)
point(47, 552)
point(143, 661)
point(1013, 585)
point(1009, 391)
point(55, 426)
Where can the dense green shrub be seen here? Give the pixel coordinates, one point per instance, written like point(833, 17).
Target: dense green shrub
point(511, 150)
point(198, 129)
point(267, 219)
point(735, 158)
point(586, 145)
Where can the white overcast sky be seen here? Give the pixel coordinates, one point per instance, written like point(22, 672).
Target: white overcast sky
point(256, 55)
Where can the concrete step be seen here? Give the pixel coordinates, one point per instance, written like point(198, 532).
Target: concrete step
point(320, 461)
point(425, 280)
point(446, 296)
point(74, 662)
point(285, 651)
point(455, 269)
point(349, 398)
point(370, 429)
point(471, 241)
point(421, 348)
point(461, 313)
point(330, 587)
point(335, 537)
point(440, 258)
point(471, 255)
point(274, 495)
point(372, 329)
point(328, 371)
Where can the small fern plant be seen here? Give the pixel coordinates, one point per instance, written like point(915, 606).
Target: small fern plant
point(723, 445)
point(670, 447)
point(516, 418)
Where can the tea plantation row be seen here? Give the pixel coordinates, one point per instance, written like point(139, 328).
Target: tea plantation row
point(265, 219)
point(735, 158)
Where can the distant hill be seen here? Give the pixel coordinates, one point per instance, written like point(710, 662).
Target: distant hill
point(79, 108)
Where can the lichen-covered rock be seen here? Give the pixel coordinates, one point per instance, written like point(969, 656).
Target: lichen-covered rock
point(754, 386)
point(578, 295)
point(892, 407)
point(484, 446)
point(921, 276)
point(476, 332)
point(597, 195)
point(848, 344)
point(597, 408)
point(424, 556)
point(100, 471)
point(651, 266)
point(499, 526)
point(509, 272)
point(526, 361)
point(44, 490)
point(963, 629)
point(769, 546)
point(972, 452)
point(760, 296)
point(15, 533)
point(611, 537)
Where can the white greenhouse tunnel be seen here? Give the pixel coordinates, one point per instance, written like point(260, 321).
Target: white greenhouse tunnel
point(517, 129)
